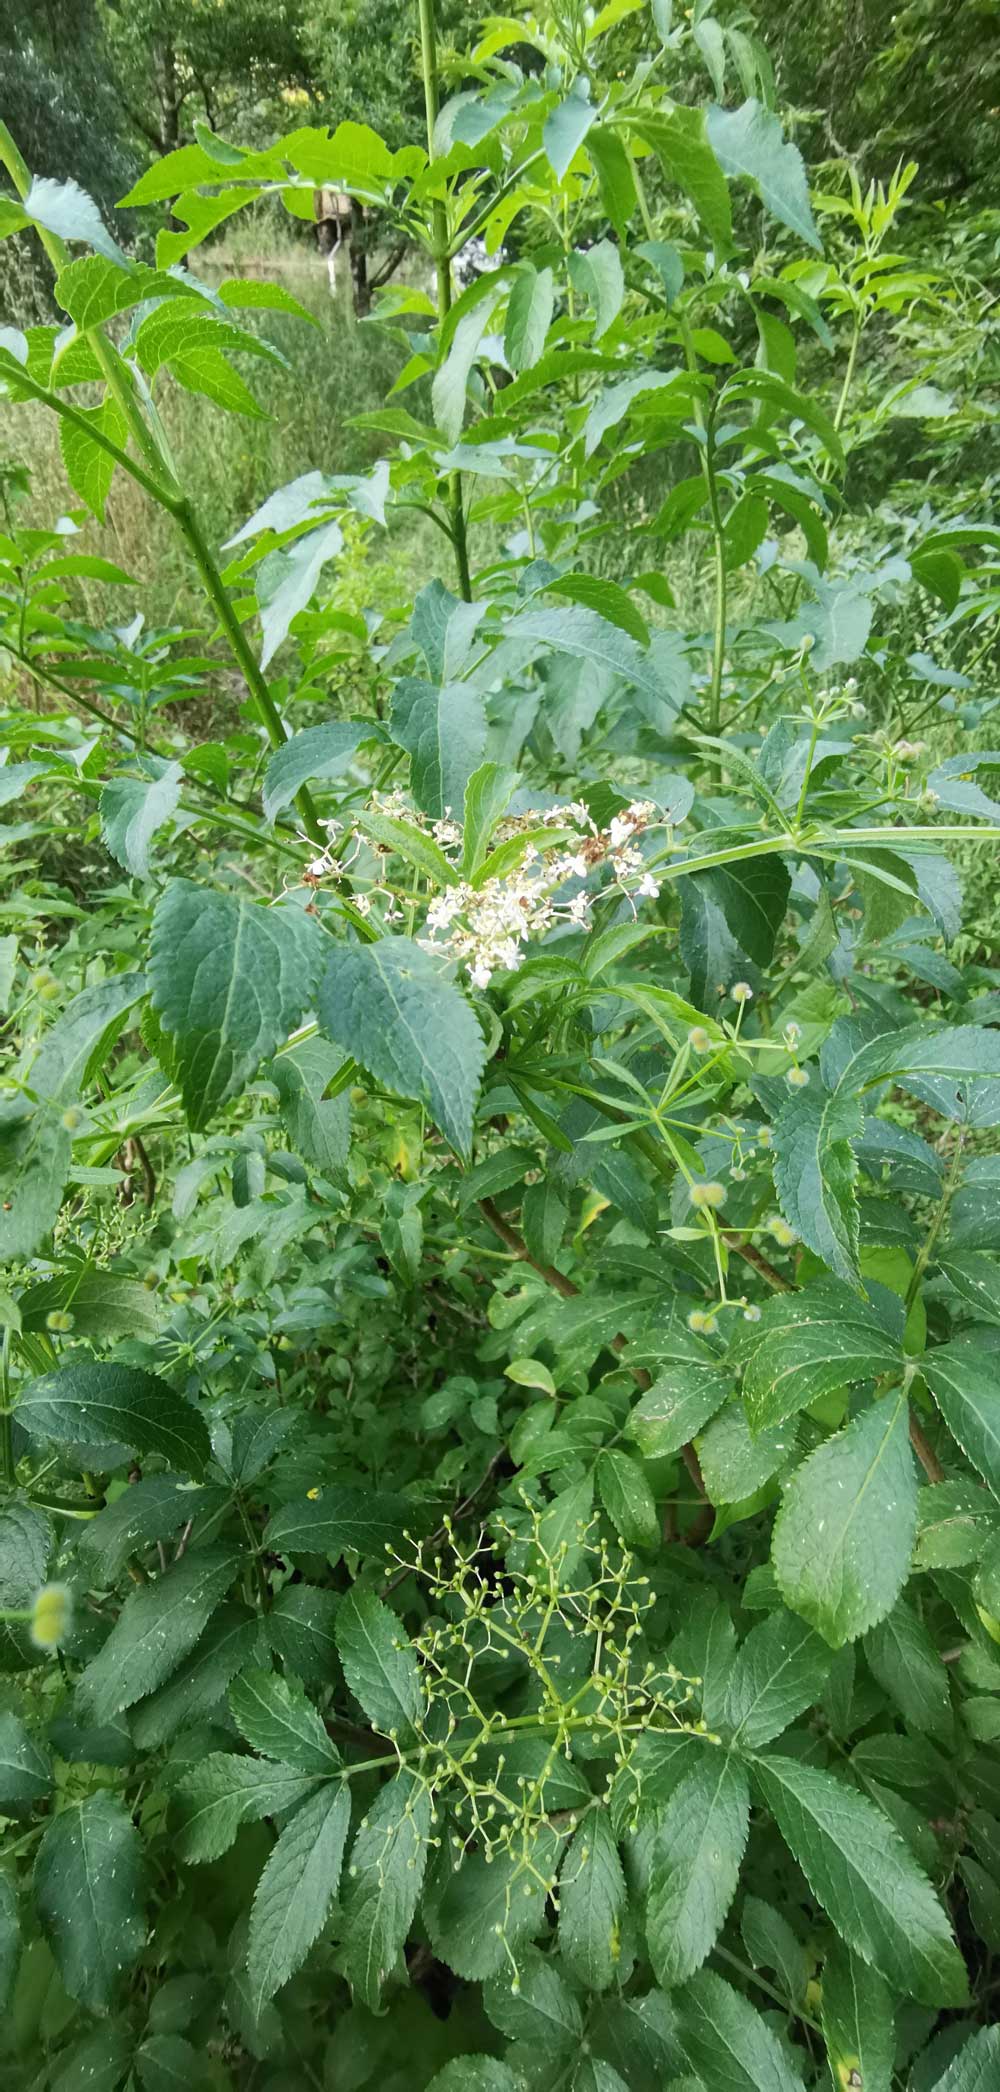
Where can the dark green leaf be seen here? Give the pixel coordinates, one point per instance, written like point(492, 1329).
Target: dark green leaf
point(592, 1903)
point(859, 1869)
point(390, 1006)
point(296, 1889)
point(89, 1896)
point(158, 1625)
point(379, 1665)
point(229, 980)
point(91, 1405)
point(844, 1535)
point(697, 1856)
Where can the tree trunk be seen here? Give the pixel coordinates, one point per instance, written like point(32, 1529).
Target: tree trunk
point(359, 260)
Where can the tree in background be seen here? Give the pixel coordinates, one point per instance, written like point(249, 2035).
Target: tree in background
point(61, 101)
point(919, 82)
point(174, 63)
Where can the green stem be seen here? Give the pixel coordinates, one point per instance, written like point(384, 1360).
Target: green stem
point(7, 1464)
point(929, 1243)
point(442, 264)
point(707, 451)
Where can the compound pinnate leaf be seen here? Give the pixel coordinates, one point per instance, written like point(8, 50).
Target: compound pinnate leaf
point(700, 1841)
point(861, 1872)
point(383, 1884)
point(276, 1718)
point(389, 1005)
point(592, 1902)
point(89, 1896)
point(728, 2043)
point(157, 1627)
point(229, 980)
point(296, 1889)
point(83, 1404)
point(843, 1539)
point(379, 1664)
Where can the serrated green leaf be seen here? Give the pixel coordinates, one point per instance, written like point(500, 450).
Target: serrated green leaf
point(680, 141)
point(474, 2074)
point(157, 1627)
point(90, 468)
point(487, 795)
point(390, 1006)
point(808, 1344)
point(904, 1658)
point(859, 1869)
point(487, 1910)
point(844, 1535)
point(592, 1901)
point(565, 129)
point(858, 2028)
point(780, 1670)
point(748, 141)
point(196, 1689)
point(89, 1896)
point(93, 1405)
point(296, 1889)
point(322, 752)
point(964, 1386)
point(383, 1884)
point(444, 734)
point(543, 2009)
point(697, 1855)
point(341, 1520)
point(529, 316)
point(379, 1664)
point(627, 1498)
point(275, 1717)
point(167, 2063)
point(222, 1793)
point(132, 809)
point(25, 1770)
point(691, 1383)
point(728, 2043)
point(975, 2068)
point(229, 980)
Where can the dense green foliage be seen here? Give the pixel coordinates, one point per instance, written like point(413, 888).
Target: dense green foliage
point(499, 1201)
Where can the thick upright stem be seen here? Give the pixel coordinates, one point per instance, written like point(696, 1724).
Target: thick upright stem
point(442, 264)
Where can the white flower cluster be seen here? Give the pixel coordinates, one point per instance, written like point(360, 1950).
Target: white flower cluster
point(485, 926)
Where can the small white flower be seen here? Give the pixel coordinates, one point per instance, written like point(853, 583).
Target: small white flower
point(797, 1078)
point(649, 886)
point(741, 991)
